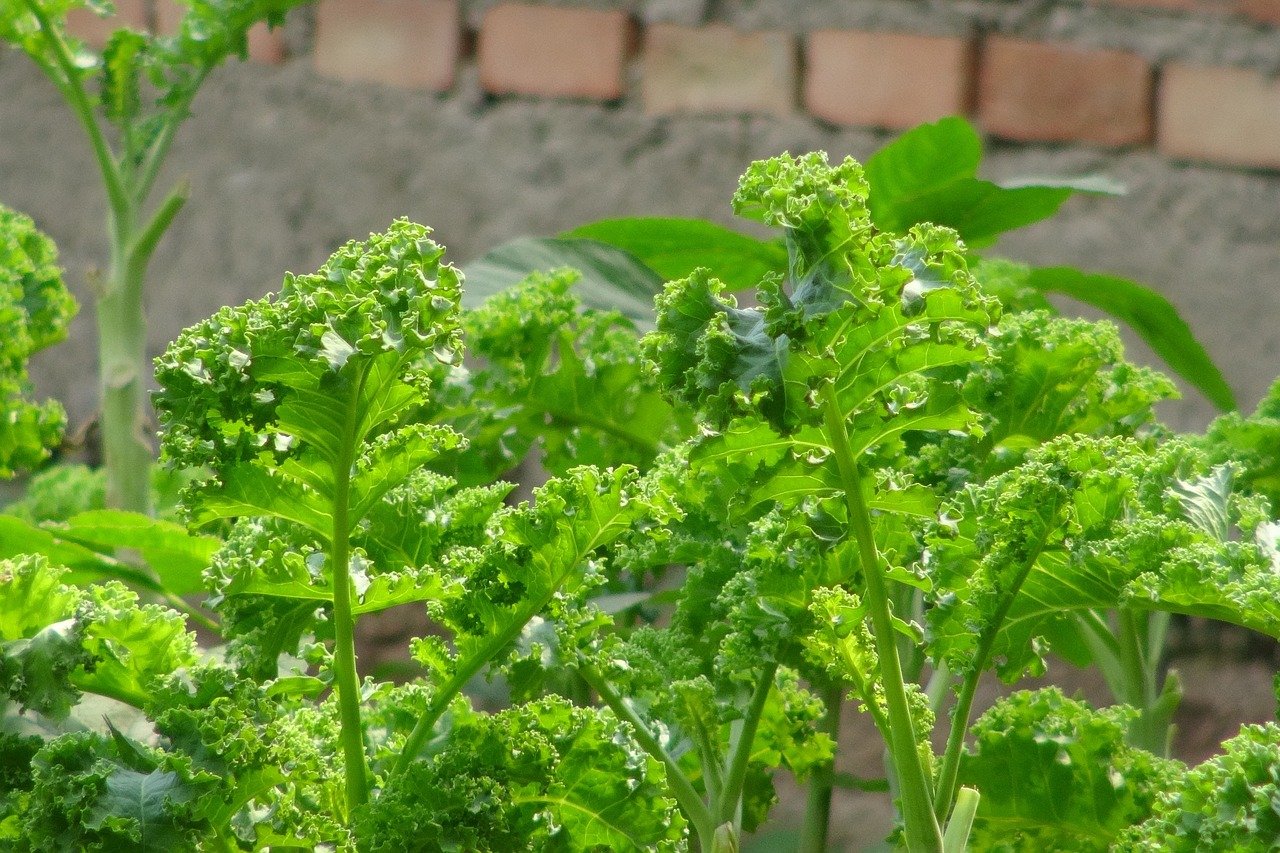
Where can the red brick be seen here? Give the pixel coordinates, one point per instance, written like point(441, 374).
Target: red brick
point(1033, 91)
point(554, 52)
point(888, 80)
point(84, 24)
point(718, 69)
point(1264, 11)
point(1225, 115)
point(415, 43)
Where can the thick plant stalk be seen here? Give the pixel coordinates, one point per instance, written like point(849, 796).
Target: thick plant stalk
point(122, 359)
point(817, 810)
point(346, 678)
point(921, 831)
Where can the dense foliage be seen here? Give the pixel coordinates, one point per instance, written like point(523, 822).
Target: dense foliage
point(885, 472)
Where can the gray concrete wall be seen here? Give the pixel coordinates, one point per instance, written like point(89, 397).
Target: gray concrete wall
point(284, 166)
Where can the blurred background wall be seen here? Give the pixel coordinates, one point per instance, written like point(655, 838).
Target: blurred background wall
point(490, 120)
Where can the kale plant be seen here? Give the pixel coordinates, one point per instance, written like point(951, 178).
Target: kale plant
point(873, 483)
point(131, 98)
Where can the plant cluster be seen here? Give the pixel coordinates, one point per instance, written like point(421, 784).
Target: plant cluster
point(886, 471)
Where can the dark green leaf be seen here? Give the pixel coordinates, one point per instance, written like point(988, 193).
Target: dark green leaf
point(612, 279)
point(674, 248)
point(1150, 315)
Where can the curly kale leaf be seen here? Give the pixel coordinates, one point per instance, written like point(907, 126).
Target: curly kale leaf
point(272, 584)
point(35, 308)
point(538, 556)
point(883, 321)
point(273, 393)
point(57, 641)
point(1085, 525)
point(1057, 775)
point(552, 374)
point(276, 758)
point(1252, 444)
point(1226, 803)
point(301, 408)
point(542, 776)
point(100, 794)
point(1048, 377)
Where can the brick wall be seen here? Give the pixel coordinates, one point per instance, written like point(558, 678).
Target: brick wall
point(1075, 71)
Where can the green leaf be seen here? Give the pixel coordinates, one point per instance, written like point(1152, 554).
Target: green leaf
point(929, 174)
point(541, 776)
point(1226, 803)
point(1057, 775)
point(177, 556)
point(87, 797)
point(551, 377)
point(56, 641)
point(35, 309)
point(674, 248)
point(612, 279)
point(1149, 314)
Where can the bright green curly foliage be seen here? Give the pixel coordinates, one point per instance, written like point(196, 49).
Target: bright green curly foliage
point(97, 794)
point(35, 308)
point(1048, 376)
point(275, 757)
point(58, 641)
point(1252, 444)
point(553, 375)
point(884, 319)
point(1226, 803)
point(1089, 524)
point(546, 776)
point(1057, 775)
point(323, 363)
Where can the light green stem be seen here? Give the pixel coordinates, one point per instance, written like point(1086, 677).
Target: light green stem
point(817, 808)
point(945, 791)
point(704, 825)
point(921, 830)
point(729, 806)
point(346, 678)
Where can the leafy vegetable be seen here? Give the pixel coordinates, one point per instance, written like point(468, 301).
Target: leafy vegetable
point(130, 139)
point(1057, 775)
point(1227, 803)
point(35, 308)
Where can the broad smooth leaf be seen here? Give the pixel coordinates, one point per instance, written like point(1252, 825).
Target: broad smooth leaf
point(676, 247)
point(929, 174)
point(612, 278)
point(1150, 315)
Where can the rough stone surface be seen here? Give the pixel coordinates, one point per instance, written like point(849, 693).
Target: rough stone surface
point(413, 43)
point(1227, 115)
point(1034, 91)
point(717, 69)
point(539, 50)
point(285, 166)
point(890, 80)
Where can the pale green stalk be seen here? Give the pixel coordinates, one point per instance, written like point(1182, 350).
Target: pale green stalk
point(921, 830)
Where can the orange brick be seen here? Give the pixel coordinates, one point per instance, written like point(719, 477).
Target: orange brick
point(85, 25)
point(1033, 91)
point(414, 43)
point(718, 69)
point(888, 80)
point(1225, 115)
point(554, 52)
point(1264, 11)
